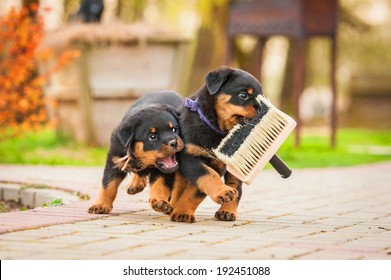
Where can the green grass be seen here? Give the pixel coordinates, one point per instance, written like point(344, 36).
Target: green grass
point(353, 148)
point(45, 147)
point(53, 203)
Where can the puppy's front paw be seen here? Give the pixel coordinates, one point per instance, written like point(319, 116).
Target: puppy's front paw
point(225, 216)
point(137, 184)
point(135, 189)
point(182, 217)
point(161, 206)
point(227, 212)
point(226, 195)
point(100, 209)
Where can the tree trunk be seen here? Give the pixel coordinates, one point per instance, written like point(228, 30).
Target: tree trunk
point(286, 97)
point(252, 61)
point(210, 44)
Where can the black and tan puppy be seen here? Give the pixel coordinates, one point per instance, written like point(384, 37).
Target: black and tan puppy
point(145, 143)
point(227, 98)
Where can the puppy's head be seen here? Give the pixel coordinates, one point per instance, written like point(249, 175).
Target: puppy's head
point(235, 93)
point(151, 137)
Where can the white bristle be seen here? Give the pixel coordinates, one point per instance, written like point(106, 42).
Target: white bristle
point(258, 147)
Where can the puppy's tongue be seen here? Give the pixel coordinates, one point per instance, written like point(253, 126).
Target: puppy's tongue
point(169, 162)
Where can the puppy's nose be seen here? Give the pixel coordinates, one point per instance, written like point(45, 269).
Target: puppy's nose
point(173, 143)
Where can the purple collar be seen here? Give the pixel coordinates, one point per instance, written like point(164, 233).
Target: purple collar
point(195, 107)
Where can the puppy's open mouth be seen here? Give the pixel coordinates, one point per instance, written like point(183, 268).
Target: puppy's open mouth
point(168, 164)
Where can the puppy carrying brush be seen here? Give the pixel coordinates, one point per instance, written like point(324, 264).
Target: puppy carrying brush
point(248, 147)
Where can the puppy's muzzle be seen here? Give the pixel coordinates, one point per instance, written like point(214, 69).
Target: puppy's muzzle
point(173, 143)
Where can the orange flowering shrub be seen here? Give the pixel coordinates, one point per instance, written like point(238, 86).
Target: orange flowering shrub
point(22, 102)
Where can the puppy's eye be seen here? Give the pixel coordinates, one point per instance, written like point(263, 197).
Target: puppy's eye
point(152, 137)
point(243, 95)
point(175, 129)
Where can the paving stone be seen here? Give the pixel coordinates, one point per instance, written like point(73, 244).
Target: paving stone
point(377, 242)
point(332, 238)
point(333, 213)
point(278, 252)
point(331, 255)
point(35, 234)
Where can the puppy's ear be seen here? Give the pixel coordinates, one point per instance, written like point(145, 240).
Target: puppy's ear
point(126, 131)
point(125, 136)
point(171, 110)
point(215, 79)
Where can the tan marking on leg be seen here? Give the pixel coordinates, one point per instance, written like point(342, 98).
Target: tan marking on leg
point(159, 196)
point(229, 211)
point(180, 185)
point(104, 203)
point(186, 206)
point(212, 185)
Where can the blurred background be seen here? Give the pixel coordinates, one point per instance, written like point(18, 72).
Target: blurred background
point(69, 69)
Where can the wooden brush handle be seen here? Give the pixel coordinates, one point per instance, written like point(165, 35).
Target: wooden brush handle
point(280, 166)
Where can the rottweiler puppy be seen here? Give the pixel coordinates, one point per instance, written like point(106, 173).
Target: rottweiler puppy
point(145, 142)
point(227, 98)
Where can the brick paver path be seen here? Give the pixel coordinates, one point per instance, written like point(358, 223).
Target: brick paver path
point(333, 213)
